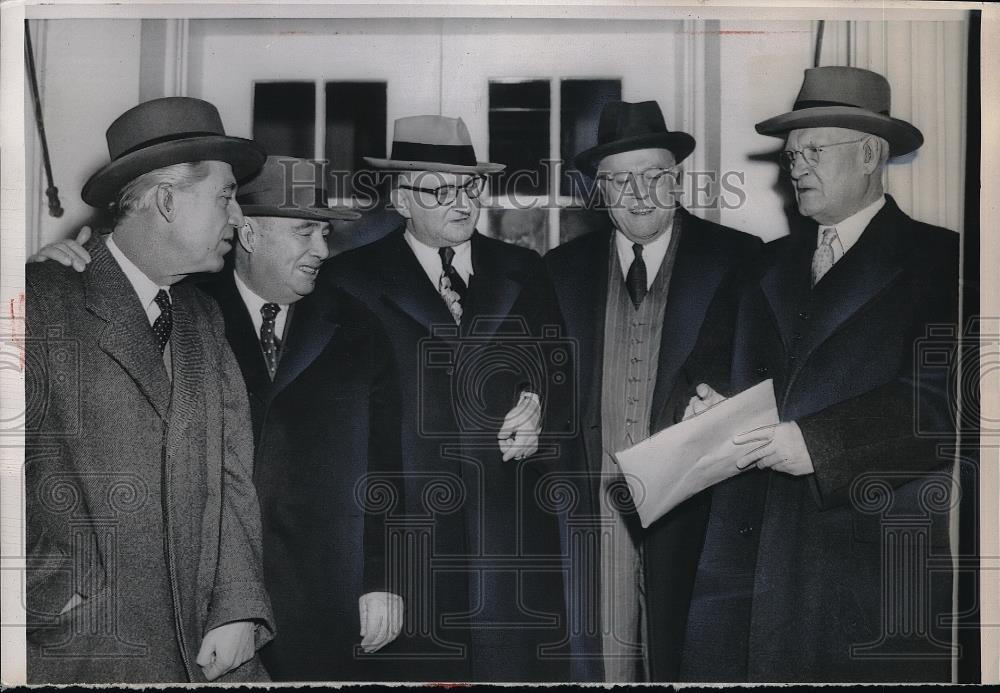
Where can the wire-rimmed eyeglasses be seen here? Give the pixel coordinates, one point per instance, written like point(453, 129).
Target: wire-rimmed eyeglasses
point(446, 194)
point(651, 177)
point(810, 155)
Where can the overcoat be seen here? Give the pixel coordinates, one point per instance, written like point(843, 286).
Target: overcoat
point(485, 601)
point(695, 347)
point(326, 433)
point(851, 579)
point(138, 489)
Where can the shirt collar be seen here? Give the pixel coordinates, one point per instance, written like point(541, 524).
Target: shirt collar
point(430, 260)
point(144, 287)
point(253, 302)
point(850, 229)
point(652, 253)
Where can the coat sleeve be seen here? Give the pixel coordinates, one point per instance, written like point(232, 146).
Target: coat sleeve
point(384, 484)
point(238, 593)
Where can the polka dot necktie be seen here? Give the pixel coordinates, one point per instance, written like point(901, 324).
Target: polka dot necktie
point(164, 323)
point(269, 343)
point(823, 258)
point(635, 281)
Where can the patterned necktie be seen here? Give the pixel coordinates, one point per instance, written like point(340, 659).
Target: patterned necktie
point(164, 323)
point(635, 280)
point(268, 341)
point(457, 284)
point(823, 257)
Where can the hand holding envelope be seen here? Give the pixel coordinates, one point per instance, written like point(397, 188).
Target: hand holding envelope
point(727, 437)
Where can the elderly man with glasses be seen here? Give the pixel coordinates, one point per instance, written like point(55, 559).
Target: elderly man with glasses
point(831, 561)
point(465, 314)
point(651, 302)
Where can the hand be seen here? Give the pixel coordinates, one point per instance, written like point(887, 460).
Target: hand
point(780, 448)
point(704, 398)
point(69, 252)
point(381, 619)
point(226, 647)
point(518, 437)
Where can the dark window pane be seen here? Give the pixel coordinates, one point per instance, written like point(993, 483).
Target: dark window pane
point(528, 228)
point(582, 101)
point(355, 128)
point(283, 118)
point(519, 135)
point(576, 221)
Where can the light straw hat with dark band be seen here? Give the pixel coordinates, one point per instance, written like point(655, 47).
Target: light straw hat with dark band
point(163, 132)
point(846, 97)
point(432, 143)
point(292, 188)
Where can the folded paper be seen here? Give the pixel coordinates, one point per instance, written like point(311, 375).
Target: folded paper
point(671, 466)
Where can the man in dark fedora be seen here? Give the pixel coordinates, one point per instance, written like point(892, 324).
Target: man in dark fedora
point(831, 561)
point(325, 405)
point(325, 409)
point(465, 315)
point(651, 302)
point(143, 527)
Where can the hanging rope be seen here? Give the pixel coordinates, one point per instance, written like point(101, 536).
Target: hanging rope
point(52, 192)
point(819, 43)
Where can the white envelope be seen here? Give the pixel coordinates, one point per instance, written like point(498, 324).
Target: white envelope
point(671, 466)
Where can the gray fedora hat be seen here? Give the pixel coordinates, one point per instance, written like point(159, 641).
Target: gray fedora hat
point(290, 187)
point(432, 143)
point(846, 97)
point(163, 132)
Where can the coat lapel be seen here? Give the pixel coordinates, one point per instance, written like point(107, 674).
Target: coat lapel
point(696, 275)
point(242, 337)
point(870, 266)
point(311, 328)
point(126, 337)
point(406, 286)
point(188, 366)
point(494, 289)
point(786, 282)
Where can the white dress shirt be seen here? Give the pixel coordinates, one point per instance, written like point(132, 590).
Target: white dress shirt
point(652, 254)
point(431, 262)
point(850, 229)
point(253, 302)
point(144, 287)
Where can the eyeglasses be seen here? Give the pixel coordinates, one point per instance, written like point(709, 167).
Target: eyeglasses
point(810, 155)
point(651, 177)
point(446, 194)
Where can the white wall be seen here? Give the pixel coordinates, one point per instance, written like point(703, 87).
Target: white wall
point(88, 75)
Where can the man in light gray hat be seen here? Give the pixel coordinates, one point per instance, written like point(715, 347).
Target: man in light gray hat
point(809, 572)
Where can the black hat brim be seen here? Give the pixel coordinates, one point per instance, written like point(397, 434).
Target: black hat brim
point(316, 214)
point(680, 144)
point(902, 137)
point(245, 156)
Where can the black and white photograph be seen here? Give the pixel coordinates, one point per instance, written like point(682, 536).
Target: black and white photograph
point(477, 344)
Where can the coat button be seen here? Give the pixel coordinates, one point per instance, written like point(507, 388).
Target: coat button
point(746, 530)
point(796, 337)
point(761, 370)
point(804, 315)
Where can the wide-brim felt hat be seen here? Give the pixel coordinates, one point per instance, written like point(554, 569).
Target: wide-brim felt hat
point(432, 143)
point(846, 97)
point(292, 188)
point(625, 127)
point(164, 132)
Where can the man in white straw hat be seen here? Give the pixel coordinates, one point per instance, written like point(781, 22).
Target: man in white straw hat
point(143, 527)
point(465, 314)
point(831, 561)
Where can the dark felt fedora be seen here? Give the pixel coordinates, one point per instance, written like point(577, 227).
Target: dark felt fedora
point(292, 188)
point(625, 127)
point(432, 143)
point(846, 97)
point(163, 132)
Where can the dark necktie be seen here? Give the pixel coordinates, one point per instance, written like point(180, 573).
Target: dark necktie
point(164, 323)
point(635, 280)
point(269, 343)
point(457, 284)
